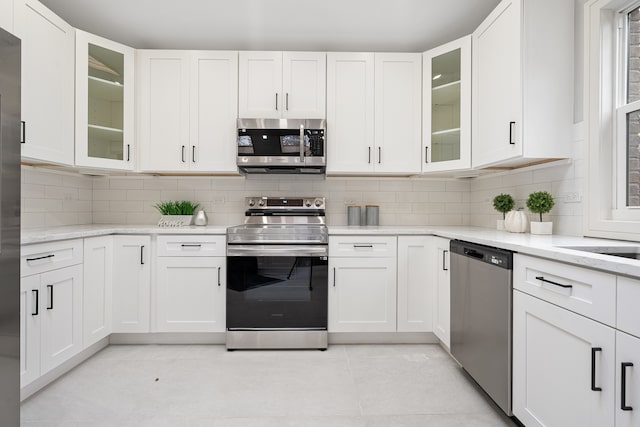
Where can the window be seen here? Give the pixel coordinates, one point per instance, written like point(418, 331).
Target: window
point(612, 118)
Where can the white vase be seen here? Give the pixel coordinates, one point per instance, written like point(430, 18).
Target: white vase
point(500, 224)
point(174, 220)
point(541, 227)
point(516, 222)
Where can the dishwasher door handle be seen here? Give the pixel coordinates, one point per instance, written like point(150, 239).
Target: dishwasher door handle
point(473, 253)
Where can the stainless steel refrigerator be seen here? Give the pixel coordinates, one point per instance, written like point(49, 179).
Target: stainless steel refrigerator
point(9, 229)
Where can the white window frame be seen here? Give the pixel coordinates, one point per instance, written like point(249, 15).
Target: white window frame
point(606, 213)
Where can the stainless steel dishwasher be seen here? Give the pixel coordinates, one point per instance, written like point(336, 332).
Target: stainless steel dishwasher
point(481, 316)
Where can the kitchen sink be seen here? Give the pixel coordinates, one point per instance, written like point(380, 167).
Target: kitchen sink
point(632, 252)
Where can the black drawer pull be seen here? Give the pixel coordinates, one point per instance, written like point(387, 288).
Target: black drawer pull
point(444, 257)
point(542, 279)
point(219, 276)
point(41, 257)
point(334, 277)
point(363, 246)
point(182, 155)
point(128, 152)
point(594, 350)
point(23, 131)
point(37, 304)
point(511, 125)
point(623, 386)
point(195, 245)
point(50, 306)
point(142, 255)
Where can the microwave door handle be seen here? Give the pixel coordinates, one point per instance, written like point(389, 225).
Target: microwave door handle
point(302, 143)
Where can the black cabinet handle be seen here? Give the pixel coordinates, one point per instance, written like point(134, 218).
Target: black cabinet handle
point(286, 98)
point(23, 132)
point(41, 257)
point(369, 161)
point(334, 277)
point(379, 155)
point(219, 276)
point(594, 350)
point(444, 257)
point(276, 101)
point(623, 386)
point(182, 154)
point(511, 126)
point(426, 154)
point(193, 153)
point(37, 304)
point(128, 152)
point(142, 255)
point(542, 279)
point(50, 306)
point(362, 246)
point(194, 245)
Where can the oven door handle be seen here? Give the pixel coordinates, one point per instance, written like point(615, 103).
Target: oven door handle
point(277, 250)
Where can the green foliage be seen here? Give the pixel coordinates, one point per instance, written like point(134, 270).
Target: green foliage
point(503, 203)
point(540, 202)
point(183, 207)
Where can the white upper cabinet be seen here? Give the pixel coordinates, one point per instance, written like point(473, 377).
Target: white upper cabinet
point(47, 83)
point(277, 85)
point(522, 107)
point(104, 103)
point(367, 136)
point(446, 85)
point(6, 15)
point(187, 110)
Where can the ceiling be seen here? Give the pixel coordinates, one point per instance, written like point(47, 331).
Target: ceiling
point(309, 25)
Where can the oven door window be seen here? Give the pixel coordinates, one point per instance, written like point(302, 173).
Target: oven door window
point(277, 292)
point(280, 142)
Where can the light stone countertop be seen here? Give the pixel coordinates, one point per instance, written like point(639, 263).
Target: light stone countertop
point(550, 247)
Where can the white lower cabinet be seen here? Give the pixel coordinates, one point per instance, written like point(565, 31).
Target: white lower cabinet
point(30, 320)
point(563, 366)
point(97, 289)
point(190, 294)
point(415, 312)
point(131, 283)
point(439, 274)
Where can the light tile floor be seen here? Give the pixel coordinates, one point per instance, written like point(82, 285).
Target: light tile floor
point(192, 385)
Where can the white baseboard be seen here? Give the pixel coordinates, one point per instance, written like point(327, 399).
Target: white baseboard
point(168, 338)
point(382, 338)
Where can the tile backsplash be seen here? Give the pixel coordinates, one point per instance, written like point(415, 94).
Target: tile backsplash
point(53, 198)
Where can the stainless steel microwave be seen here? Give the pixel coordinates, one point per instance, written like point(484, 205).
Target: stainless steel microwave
point(281, 146)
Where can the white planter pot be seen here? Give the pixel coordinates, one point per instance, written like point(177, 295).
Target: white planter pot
point(516, 222)
point(500, 224)
point(541, 227)
point(175, 220)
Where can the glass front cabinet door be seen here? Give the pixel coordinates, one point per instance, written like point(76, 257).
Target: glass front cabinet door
point(104, 103)
point(446, 135)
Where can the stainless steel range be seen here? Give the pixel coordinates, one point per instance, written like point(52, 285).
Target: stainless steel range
point(277, 275)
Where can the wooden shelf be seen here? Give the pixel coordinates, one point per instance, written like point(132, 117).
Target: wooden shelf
point(105, 89)
point(448, 93)
point(105, 133)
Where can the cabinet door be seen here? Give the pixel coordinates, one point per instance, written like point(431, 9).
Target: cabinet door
point(559, 357)
point(214, 109)
point(362, 295)
point(190, 294)
point(61, 307)
point(497, 91)
point(47, 83)
point(414, 284)
point(104, 102)
point(304, 76)
point(131, 283)
point(30, 318)
point(439, 267)
point(163, 84)
point(350, 112)
point(627, 380)
point(6, 15)
point(97, 304)
point(260, 85)
point(446, 88)
point(398, 112)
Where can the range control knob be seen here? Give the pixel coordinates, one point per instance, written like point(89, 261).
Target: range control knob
point(251, 203)
point(318, 203)
point(307, 203)
point(261, 203)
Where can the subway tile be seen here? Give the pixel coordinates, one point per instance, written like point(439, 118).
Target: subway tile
point(109, 195)
point(61, 193)
point(555, 173)
point(85, 194)
point(396, 185)
point(160, 183)
point(176, 195)
point(458, 185)
point(125, 183)
point(145, 195)
point(33, 191)
point(143, 218)
point(428, 208)
point(100, 183)
point(81, 181)
point(57, 219)
point(429, 185)
point(109, 217)
point(42, 177)
point(125, 206)
point(194, 183)
point(76, 206)
point(363, 185)
point(32, 219)
point(448, 219)
point(445, 197)
point(42, 205)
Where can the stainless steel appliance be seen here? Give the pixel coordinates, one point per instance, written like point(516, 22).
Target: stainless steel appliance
point(281, 146)
point(277, 275)
point(9, 229)
point(481, 316)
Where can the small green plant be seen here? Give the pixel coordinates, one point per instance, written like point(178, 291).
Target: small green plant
point(183, 207)
point(540, 202)
point(503, 203)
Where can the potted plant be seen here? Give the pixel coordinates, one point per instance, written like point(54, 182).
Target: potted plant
point(176, 214)
point(540, 202)
point(503, 203)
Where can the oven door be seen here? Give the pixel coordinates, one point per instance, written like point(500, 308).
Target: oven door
point(277, 291)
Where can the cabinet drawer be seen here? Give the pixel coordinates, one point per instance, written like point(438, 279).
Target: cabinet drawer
point(191, 245)
point(362, 246)
point(43, 257)
point(584, 291)
point(628, 298)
